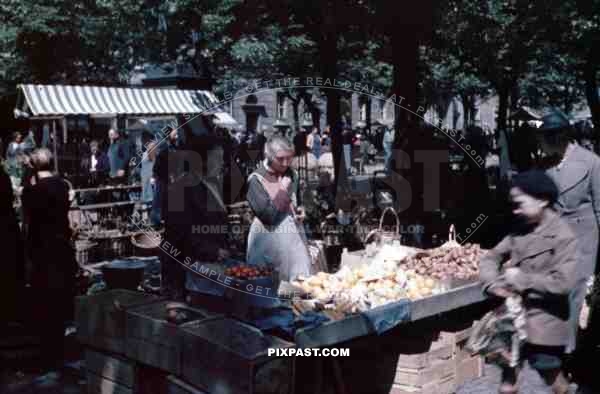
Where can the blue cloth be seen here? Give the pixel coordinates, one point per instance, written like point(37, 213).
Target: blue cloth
point(199, 283)
point(316, 146)
point(285, 320)
point(386, 317)
point(316, 150)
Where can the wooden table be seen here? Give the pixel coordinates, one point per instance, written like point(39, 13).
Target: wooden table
point(108, 188)
point(104, 205)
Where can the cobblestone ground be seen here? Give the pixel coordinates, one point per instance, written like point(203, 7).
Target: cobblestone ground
point(75, 384)
point(530, 383)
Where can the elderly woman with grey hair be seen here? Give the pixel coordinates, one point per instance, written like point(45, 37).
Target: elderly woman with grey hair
point(277, 235)
point(48, 239)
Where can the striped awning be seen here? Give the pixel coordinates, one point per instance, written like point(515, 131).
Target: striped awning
point(57, 100)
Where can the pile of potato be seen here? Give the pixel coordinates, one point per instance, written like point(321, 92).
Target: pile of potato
point(367, 287)
point(444, 263)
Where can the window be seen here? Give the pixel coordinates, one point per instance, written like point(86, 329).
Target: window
point(387, 112)
point(307, 116)
point(363, 112)
point(281, 113)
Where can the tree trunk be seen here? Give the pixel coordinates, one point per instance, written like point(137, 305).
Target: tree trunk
point(466, 111)
point(405, 85)
point(591, 94)
point(368, 118)
point(316, 117)
point(328, 53)
point(405, 82)
point(473, 113)
point(502, 107)
point(514, 99)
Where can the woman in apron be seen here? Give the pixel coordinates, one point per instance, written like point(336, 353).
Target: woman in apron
point(277, 234)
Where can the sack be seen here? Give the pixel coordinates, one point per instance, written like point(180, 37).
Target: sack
point(500, 334)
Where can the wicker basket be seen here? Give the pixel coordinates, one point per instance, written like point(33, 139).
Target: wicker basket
point(85, 251)
point(382, 236)
point(146, 244)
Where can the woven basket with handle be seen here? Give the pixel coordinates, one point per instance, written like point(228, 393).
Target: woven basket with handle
point(383, 236)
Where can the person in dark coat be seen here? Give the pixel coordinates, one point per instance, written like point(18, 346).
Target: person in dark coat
point(11, 244)
point(98, 164)
point(195, 224)
point(48, 238)
point(524, 148)
point(161, 174)
point(576, 172)
point(537, 261)
point(165, 172)
point(118, 156)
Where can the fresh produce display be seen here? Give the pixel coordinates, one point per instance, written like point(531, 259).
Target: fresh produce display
point(366, 287)
point(459, 262)
point(249, 272)
point(390, 273)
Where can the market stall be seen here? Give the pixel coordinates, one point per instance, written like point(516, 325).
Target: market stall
point(414, 306)
point(52, 108)
point(65, 118)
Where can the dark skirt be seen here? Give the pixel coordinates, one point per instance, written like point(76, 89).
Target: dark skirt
point(53, 285)
point(543, 358)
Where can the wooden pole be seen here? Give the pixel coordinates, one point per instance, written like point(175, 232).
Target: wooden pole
point(70, 167)
point(64, 127)
point(54, 139)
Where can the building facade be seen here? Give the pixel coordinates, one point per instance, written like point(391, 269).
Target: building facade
point(274, 110)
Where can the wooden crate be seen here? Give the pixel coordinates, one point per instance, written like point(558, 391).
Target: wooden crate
point(227, 356)
point(436, 372)
point(109, 373)
point(101, 318)
point(424, 360)
point(441, 369)
point(150, 380)
point(111, 366)
point(154, 341)
point(178, 386)
point(468, 369)
point(99, 385)
point(469, 366)
point(445, 386)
